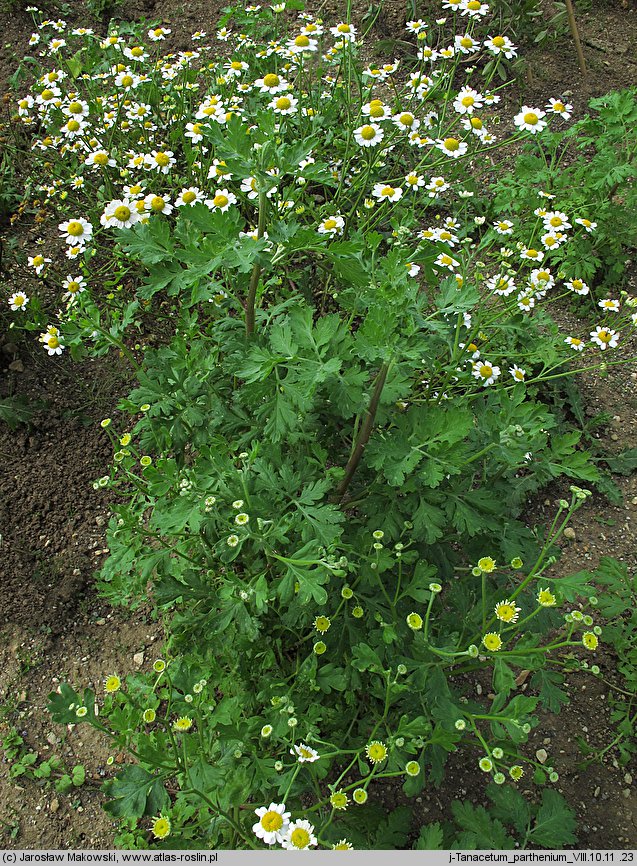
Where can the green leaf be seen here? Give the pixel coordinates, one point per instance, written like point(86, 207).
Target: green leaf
point(624, 463)
point(509, 806)
point(547, 684)
point(364, 658)
point(430, 838)
point(392, 833)
point(149, 242)
point(555, 822)
point(134, 793)
point(490, 833)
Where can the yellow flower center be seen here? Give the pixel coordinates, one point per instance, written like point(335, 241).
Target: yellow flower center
point(556, 221)
point(544, 276)
point(388, 191)
point(467, 101)
point(559, 106)
point(189, 196)
point(101, 158)
point(466, 42)
point(157, 203)
point(486, 370)
point(368, 133)
point(272, 821)
point(577, 284)
point(451, 144)
point(52, 342)
point(444, 235)
point(220, 200)
point(75, 107)
point(73, 287)
point(406, 118)
point(74, 228)
point(328, 224)
point(476, 123)
point(271, 80)
point(137, 51)
point(498, 41)
point(73, 126)
point(474, 5)
point(127, 80)
point(19, 300)
point(158, 32)
point(301, 41)
point(283, 103)
point(531, 118)
point(162, 159)
point(344, 28)
point(236, 64)
point(300, 838)
point(605, 336)
point(532, 254)
point(376, 110)
point(47, 94)
point(122, 213)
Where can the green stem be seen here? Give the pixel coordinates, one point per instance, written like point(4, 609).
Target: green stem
point(256, 269)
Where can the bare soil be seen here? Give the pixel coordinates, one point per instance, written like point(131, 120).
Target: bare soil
point(54, 627)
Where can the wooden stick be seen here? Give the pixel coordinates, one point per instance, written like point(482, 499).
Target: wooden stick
point(575, 34)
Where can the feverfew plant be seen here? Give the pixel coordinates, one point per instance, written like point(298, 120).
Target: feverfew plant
point(319, 481)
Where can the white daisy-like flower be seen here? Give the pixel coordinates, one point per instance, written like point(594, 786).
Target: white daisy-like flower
point(302, 44)
point(384, 192)
point(406, 120)
point(542, 278)
point(157, 34)
point(300, 836)
point(526, 301)
point(273, 823)
point(518, 374)
point(155, 203)
point(52, 340)
point(445, 236)
point(221, 200)
point(530, 119)
point(160, 160)
point(532, 255)
point(609, 304)
point(605, 338)
point(194, 131)
point(120, 213)
point(466, 44)
point(38, 263)
point(18, 301)
point(271, 83)
point(587, 224)
point(332, 225)
point(474, 8)
point(74, 286)
point(414, 180)
point(555, 220)
point(436, 186)
point(504, 227)
point(501, 284)
point(467, 101)
point(100, 158)
point(344, 31)
point(369, 135)
point(78, 231)
point(189, 196)
point(557, 106)
point(452, 147)
point(578, 286)
point(444, 260)
point(500, 45)
point(553, 240)
point(284, 104)
point(304, 754)
point(575, 343)
point(484, 371)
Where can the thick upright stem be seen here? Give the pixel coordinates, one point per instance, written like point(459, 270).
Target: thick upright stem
point(256, 270)
point(570, 13)
point(364, 432)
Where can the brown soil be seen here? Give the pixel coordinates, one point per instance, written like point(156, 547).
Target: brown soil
point(54, 627)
